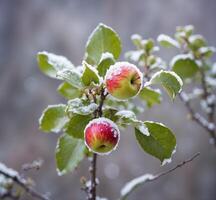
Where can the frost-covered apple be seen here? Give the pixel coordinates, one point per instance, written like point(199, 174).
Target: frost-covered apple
point(101, 135)
point(123, 80)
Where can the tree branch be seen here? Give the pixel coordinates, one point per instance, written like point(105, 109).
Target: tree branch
point(198, 118)
point(23, 184)
point(132, 185)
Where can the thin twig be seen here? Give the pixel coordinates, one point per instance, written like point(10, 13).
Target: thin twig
point(23, 184)
point(198, 118)
point(132, 185)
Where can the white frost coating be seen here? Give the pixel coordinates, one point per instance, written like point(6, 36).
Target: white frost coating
point(9, 171)
point(85, 64)
point(143, 129)
point(166, 38)
point(193, 38)
point(76, 106)
point(116, 69)
point(126, 114)
point(101, 198)
point(108, 122)
point(152, 122)
point(136, 37)
point(203, 50)
point(58, 62)
point(169, 160)
point(135, 182)
point(105, 56)
point(134, 55)
point(180, 57)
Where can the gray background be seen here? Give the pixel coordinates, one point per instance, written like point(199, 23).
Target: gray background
point(62, 27)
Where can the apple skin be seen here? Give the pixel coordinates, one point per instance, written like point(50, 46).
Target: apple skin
point(123, 80)
point(101, 135)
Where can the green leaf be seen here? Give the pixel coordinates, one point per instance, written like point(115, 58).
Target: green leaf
point(106, 61)
point(207, 52)
point(184, 65)
point(71, 76)
point(167, 41)
point(150, 96)
point(89, 75)
point(68, 91)
point(127, 117)
point(197, 41)
point(161, 143)
point(81, 107)
point(53, 118)
point(137, 40)
point(69, 153)
point(77, 125)
point(50, 63)
point(103, 39)
point(169, 80)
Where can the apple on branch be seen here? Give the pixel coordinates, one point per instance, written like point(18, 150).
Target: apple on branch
point(123, 80)
point(101, 135)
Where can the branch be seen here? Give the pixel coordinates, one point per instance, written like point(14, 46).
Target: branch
point(93, 168)
point(132, 185)
point(23, 184)
point(198, 118)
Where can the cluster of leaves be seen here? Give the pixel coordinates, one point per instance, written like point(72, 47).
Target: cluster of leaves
point(83, 86)
point(193, 64)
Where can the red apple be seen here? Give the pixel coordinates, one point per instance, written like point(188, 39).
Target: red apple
point(123, 80)
point(101, 135)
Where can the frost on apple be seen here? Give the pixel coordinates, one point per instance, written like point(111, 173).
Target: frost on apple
point(123, 80)
point(101, 136)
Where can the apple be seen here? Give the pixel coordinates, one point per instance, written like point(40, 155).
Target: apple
point(123, 80)
point(101, 135)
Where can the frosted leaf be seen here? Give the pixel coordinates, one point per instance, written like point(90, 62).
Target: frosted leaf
point(136, 182)
point(167, 41)
point(126, 114)
point(193, 38)
point(181, 57)
point(128, 117)
point(59, 62)
point(81, 107)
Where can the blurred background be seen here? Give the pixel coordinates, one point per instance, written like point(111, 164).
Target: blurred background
point(62, 27)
